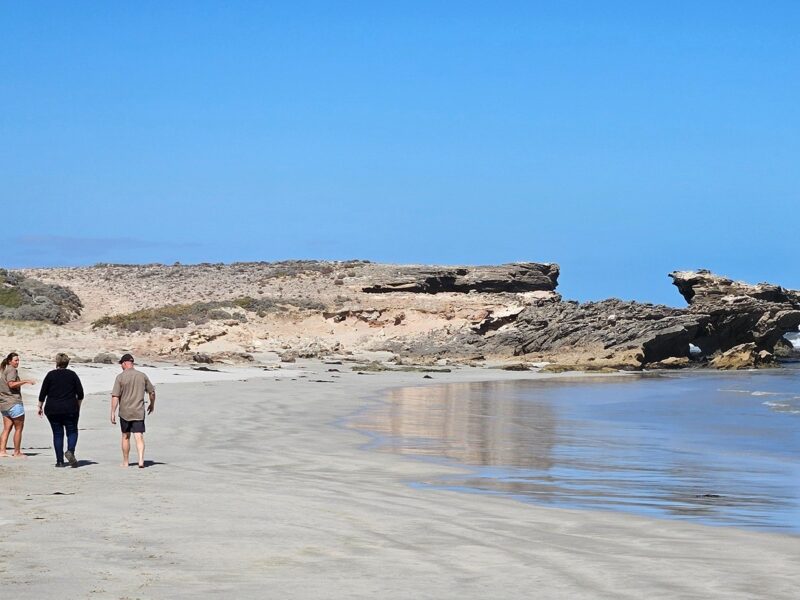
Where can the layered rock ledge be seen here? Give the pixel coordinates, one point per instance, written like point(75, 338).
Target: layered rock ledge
point(513, 278)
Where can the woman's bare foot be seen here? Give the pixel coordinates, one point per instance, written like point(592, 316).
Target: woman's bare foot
point(20, 455)
point(123, 465)
point(3, 454)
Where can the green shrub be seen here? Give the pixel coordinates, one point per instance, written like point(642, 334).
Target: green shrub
point(176, 316)
point(10, 297)
point(26, 299)
point(173, 316)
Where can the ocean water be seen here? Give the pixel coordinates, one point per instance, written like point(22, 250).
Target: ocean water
point(794, 338)
point(709, 447)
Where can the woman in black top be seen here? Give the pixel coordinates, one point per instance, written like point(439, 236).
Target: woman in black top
point(60, 400)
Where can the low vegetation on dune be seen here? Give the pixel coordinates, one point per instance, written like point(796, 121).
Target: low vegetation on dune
point(294, 268)
point(26, 299)
point(176, 316)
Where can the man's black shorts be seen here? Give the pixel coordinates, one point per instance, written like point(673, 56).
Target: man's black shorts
point(131, 426)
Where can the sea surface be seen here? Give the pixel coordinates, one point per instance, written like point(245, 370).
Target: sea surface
point(709, 447)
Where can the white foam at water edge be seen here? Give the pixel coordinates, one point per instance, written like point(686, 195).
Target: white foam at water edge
point(754, 393)
point(794, 338)
point(782, 407)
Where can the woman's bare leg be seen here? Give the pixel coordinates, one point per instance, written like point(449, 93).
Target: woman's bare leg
point(19, 425)
point(7, 425)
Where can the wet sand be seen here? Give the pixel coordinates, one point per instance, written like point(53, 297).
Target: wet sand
point(713, 448)
point(256, 489)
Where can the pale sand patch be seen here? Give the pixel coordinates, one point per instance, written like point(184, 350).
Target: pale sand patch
point(258, 492)
point(100, 377)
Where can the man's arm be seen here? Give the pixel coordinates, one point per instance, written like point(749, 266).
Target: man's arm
point(151, 407)
point(114, 405)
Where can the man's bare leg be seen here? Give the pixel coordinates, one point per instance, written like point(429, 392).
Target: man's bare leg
point(7, 424)
point(126, 448)
point(139, 437)
point(19, 425)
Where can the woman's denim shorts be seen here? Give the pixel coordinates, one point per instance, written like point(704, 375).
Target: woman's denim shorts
point(18, 410)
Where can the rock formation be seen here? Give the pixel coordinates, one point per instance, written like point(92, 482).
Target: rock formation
point(736, 313)
point(722, 315)
point(514, 278)
point(607, 333)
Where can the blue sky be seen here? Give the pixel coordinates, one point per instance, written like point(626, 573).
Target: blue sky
point(622, 140)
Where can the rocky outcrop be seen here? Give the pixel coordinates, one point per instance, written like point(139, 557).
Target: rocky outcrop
point(610, 326)
point(703, 286)
point(736, 313)
point(591, 336)
point(514, 277)
point(722, 315)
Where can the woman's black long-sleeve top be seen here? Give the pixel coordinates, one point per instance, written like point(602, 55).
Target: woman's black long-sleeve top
point(61, 392)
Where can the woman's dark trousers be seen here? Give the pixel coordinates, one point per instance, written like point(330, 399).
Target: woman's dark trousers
point(60, 423)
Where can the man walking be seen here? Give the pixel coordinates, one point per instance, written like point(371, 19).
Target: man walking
point(128, 395)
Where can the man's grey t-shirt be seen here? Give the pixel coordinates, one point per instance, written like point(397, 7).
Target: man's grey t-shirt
point(129, 387)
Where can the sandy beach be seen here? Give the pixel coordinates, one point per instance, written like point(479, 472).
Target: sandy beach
point(257, 489)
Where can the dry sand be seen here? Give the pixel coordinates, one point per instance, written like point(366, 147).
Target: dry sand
point(258, 491)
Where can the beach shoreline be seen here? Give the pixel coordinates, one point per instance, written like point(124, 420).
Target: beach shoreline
point(255, 489)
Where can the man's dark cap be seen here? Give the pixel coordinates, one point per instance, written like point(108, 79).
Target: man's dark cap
point(126, 357)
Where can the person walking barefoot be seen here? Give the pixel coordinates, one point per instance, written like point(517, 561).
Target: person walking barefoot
point(128, 395)
point(11, 406)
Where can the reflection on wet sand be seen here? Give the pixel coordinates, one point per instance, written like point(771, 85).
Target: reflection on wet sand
point(644, 445)
point(465, 423)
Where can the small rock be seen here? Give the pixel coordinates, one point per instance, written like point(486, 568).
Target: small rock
point(673, 362)
point(106, 358)
point(743, 356)
point(516, 367)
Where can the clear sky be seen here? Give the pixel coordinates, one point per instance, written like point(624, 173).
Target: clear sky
point(622, 140)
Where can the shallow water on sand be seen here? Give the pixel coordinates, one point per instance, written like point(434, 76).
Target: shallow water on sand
point(715, 448)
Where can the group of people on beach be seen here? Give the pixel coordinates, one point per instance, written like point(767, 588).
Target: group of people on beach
point(60, 400)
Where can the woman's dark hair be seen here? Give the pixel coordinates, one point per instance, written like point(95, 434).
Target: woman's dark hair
point(7, 360)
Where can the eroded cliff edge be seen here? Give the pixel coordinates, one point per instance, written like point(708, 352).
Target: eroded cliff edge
point(419, 313)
